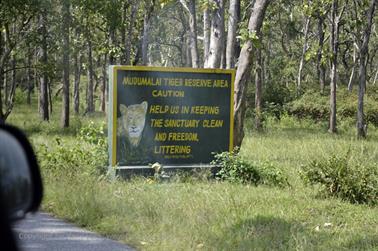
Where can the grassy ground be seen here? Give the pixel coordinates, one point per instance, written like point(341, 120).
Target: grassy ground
point(208, 215)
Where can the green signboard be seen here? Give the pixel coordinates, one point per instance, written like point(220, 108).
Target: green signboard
point(174, 116)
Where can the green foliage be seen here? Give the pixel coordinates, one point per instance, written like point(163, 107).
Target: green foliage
point(246, 35)
point(93, 134)
point(311, 104)
point(314, 105)
point(340, 177)
point(235, 169)
point(272, 175)
point(87, 156)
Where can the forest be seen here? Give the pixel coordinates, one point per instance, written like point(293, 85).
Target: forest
point(282, 50)
point(303, 174)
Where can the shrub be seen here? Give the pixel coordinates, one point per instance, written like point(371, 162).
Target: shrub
point(235, 169)
point(314, 105)
point(271, 175)
point(93, 134)
point(87, 156)
point(339, 177)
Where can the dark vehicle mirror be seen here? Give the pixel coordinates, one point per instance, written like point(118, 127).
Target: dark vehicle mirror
point(20, 180)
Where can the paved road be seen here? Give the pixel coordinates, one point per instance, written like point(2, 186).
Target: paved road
point(44, 232)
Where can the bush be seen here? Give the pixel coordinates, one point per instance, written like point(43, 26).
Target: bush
point(339, 177)
point(314, 105)
point(87, 156)
point(235, 169)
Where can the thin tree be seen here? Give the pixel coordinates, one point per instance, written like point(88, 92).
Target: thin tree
point(334, 44)
point(190, 7)
point(233, 21)
point(66, 15)
point(77, 73)
point(206, 31)
point(244, 69)
point(216, 35)
point(363, 51)
point(90, 72)
point(146, 30)
point(306, 27)
point(320, 68)
point(258, 89)
point(43, 91)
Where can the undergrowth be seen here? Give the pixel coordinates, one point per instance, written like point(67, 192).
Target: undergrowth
point(342, 177)
point(234, 168)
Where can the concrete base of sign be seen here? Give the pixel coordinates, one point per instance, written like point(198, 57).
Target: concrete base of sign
point(126, 172)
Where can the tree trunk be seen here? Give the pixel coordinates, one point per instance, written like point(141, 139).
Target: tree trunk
point(364, 48)
point(223, 55)
point(190, 7)
point(304, 50)
point(375, 77)
point(188, 53)
point(233, 21)
point(49, 95)
point(112, 42)
point(77, 75)
point(90, 98)
point(193, 34)
point(216, 36)
point(319, 64)
point(104, 84)
point(206, 33)
point(258, 91)
point(129, 31)
point(29, 77)
point(146, 30)
point(65, 119)
point(13, 82)
point(244, 69)
point(335, 19)
point(146, 25)
point(351, 78)
point(43, 93)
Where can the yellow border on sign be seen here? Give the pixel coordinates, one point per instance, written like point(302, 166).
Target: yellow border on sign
point(231, 148)
point(168, 69)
